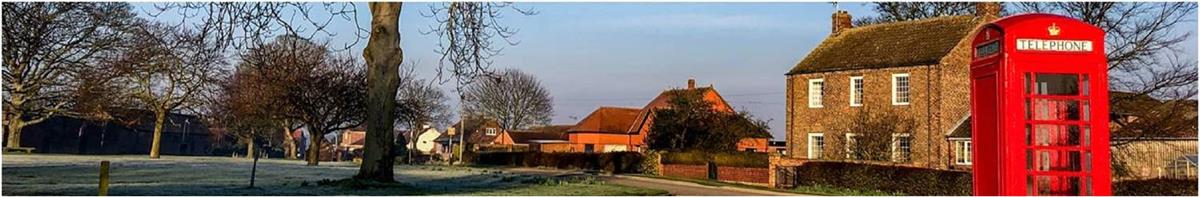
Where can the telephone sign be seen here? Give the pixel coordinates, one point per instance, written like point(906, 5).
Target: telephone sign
point(1039, 107)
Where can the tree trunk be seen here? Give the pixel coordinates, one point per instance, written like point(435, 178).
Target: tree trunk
point(314, 147)
point(250, 148)
point(289, 143)
point(159, 118)
point(15, 124)
point(383, 57)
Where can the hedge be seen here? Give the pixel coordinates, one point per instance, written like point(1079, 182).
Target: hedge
point(731, 159)
point(1155, 187)
point(890, 179)
point(616, 162)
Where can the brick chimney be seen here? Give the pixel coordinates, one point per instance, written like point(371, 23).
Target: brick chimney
point(987, 10)
point(841, 21)
point(691, 83)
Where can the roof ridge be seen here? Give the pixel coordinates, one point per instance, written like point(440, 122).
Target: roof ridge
point(907, 22)
point(884, 45)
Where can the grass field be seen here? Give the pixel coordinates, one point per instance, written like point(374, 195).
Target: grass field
point(178, 175)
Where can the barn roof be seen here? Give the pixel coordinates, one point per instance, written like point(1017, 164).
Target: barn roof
point(897, 44)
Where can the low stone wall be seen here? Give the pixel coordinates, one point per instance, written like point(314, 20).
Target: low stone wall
point(757, 176)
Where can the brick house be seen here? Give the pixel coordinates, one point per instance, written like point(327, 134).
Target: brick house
point(915, 69)
point(610, 129)
point(480, 135)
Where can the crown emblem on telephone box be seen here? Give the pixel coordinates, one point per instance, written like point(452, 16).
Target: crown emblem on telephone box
point(1053, 29)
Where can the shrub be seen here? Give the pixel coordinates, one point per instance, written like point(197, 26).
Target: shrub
point(1155, 187)
point(731, 159)
point(890, 179)
point(616, 162)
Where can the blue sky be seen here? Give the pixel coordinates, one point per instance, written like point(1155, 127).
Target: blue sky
point(623, 54)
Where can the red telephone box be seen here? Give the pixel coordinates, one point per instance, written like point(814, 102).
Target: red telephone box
point(1039, 107)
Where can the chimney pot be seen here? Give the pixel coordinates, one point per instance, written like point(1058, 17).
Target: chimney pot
point(841, 21)
point(691, 83)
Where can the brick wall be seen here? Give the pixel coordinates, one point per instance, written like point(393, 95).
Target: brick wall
point(928, 137)
point(732, 174)
point(685, 171)
point(743, 175)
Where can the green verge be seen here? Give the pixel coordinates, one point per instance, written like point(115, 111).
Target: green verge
point(807, 190)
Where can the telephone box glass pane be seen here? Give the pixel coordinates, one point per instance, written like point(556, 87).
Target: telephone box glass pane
point(1057, 135)
point(1058, 185)
point(1058, 160)
point(1055, 109)
point(1056, 84)
point(1086, 85)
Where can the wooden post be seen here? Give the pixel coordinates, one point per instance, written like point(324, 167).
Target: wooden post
point(103, 178)
point(253, 170)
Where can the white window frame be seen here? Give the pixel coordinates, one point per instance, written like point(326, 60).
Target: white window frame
point(816, 97)
point(896, 146)
point(855, 100)
point(962, 152)
point(850, 149)
point(896, 94)
point(490, 131)
point(811, 143)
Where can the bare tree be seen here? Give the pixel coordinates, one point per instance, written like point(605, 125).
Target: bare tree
point(328, 98)
point(903, 11)
point(873, 130)
point(514, 98)
point(275, 67)
point(42, 44)
point(419, 103)
point(468, 30)
point(238, 23)
point(239, 109)
point(166, 69)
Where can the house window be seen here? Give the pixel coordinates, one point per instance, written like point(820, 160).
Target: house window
point(900, 89)
point(816, 145)
point(589, 148)
point(851, 142)
point(962, 152)
point(901, 147)
point(816, 89)
point(856, 91)
point(491, 131)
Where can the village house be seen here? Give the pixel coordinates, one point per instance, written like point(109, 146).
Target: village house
point(487, 136)
point(614, 129)
point(917, 70)
point(550, 138)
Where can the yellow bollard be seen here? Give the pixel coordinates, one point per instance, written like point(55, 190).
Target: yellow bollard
point(103, 178)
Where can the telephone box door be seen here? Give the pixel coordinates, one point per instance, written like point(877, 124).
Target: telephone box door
point(1039, 107)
